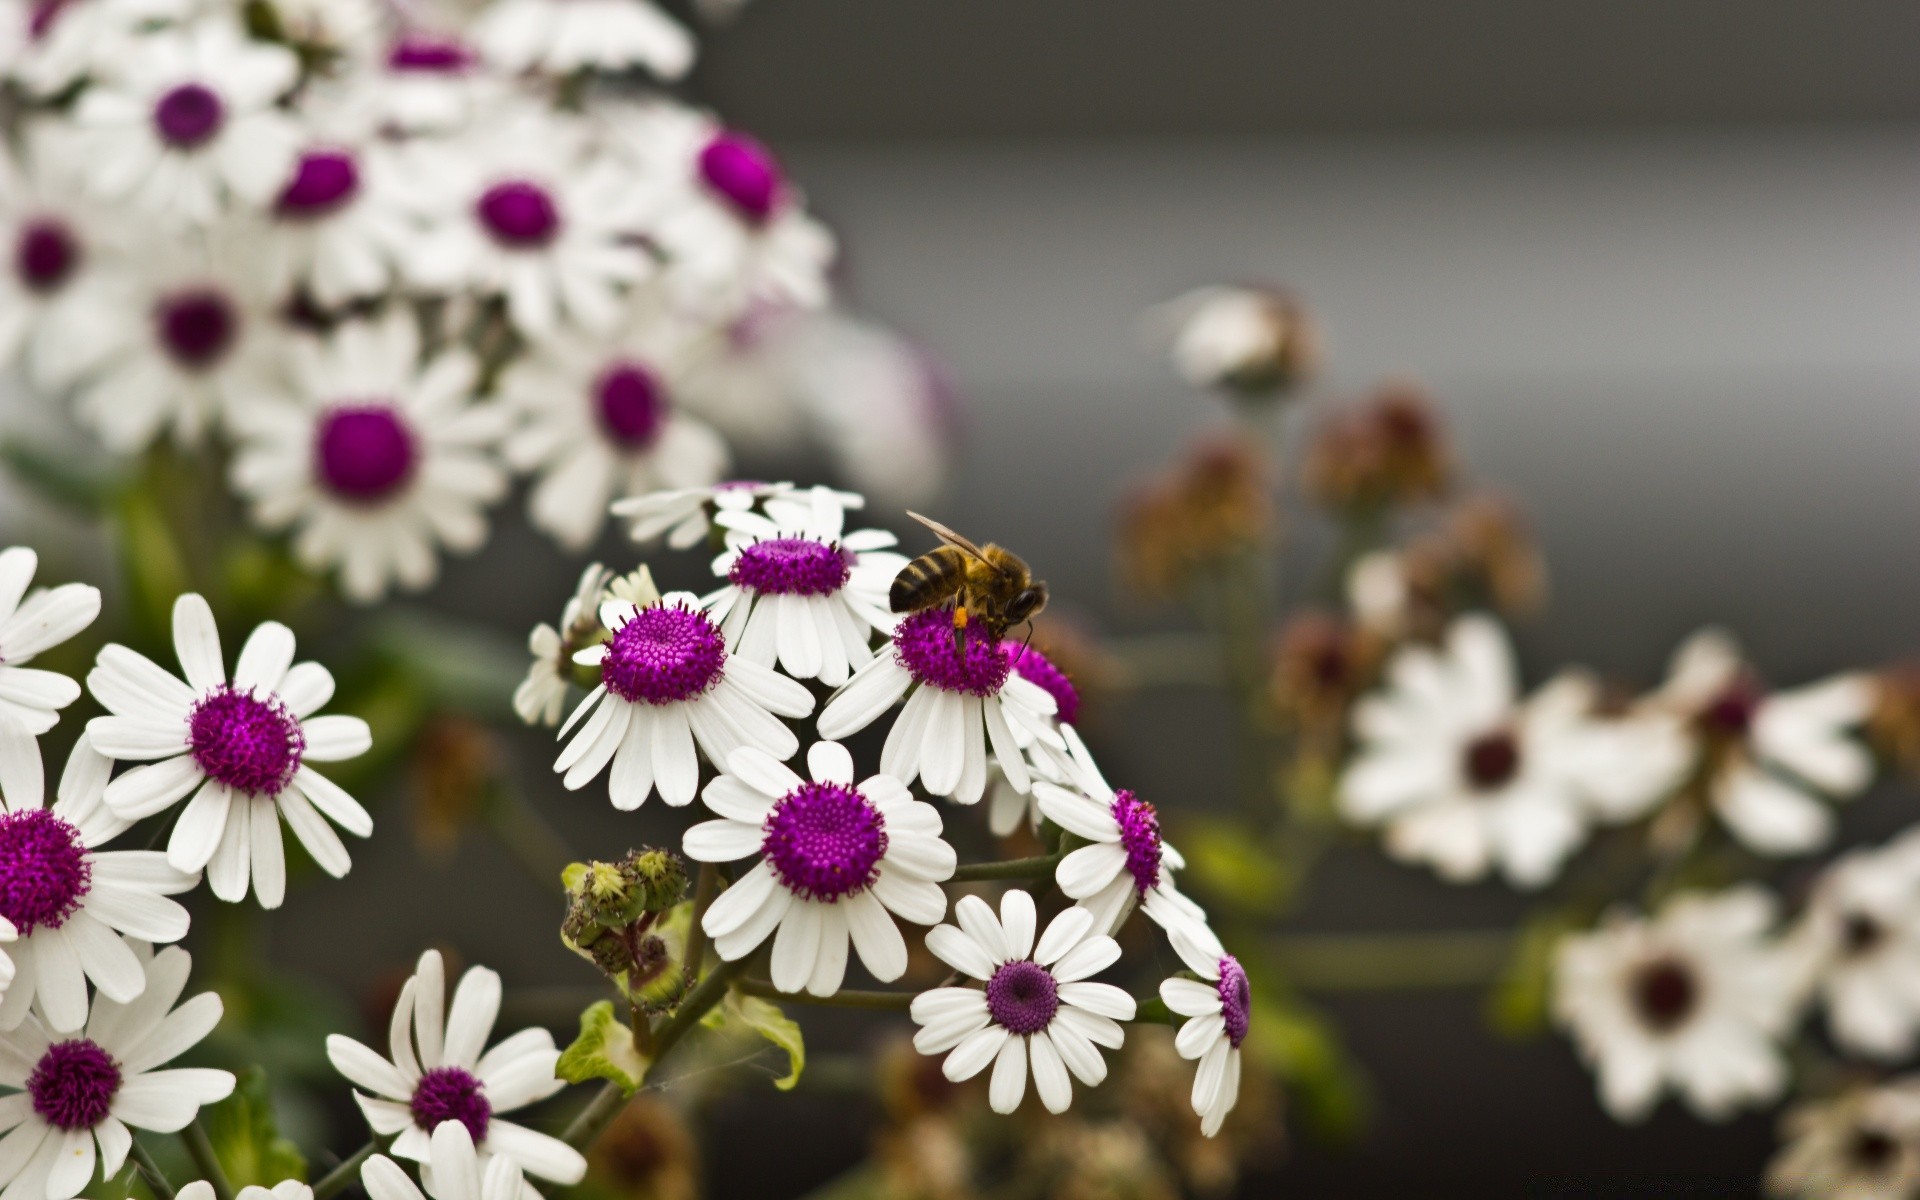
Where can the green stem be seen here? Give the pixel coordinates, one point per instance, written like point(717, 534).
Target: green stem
point(342, 1176)
point(605, 1106)
point(844, 998)
point(157, 1181)
point(1038, 867)
point(706, 884)
point(201, 1148)
point(1154, 1011)
point(1386, 962)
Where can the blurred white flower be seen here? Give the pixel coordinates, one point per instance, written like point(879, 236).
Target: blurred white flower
point(376, 456)
point(51, 292)
point(1468, 778)
point(564, 36)
point(1772, 757)
point(1248, 339)
point(1857, 947)
point(1694, 1000)
point(342, 222)
point(1863, 1144)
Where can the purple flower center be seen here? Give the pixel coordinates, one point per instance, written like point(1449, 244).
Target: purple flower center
point(197, 326)
point(824, 841)
point(451, 1094)
point(632, 405)
point(1665, 993)
point(792, 567)
point(44, 870)
point(1873, 1150)
point(188, 115)
point(423, 52)
point(1861, 933)
point(364, 453)
point(664, 655)
point(1730, 713)
point(323, 181)
point(1491, 760)
point(743, 171)
point(1036, 668)
point(1236, 999)
point(251, 744)
point(519, 214)
point(41, 16)
point(1139, 837)
point(923, 644)
point(73, 1084)
point(1022, 997)
point(45, 255)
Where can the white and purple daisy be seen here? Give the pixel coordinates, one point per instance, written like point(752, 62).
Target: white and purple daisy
point(560, 37)
point(600, 421)
point(541, 697)
point(242, 747)
point(443, 1073)
point(454, 1169)
point(341, 224)
point(959, 701)
point(683, 516)
point(666, 685)
point(1038, 1009)
point(1219, 1008)
point(64, 903)
point(836, 857)
point(30, 623)
point(1128, 861)
point(76, 1093)
point(377, 457)
point(523, 210)
point(51, 291)
point(801, 590)
point(183, 125)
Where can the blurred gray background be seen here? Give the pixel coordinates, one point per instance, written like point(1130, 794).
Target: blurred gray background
point(1659, 260)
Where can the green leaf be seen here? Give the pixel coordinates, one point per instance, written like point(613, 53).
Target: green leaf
point(1232, 866)
point(741, 1014)
point(245, 1138)
point(604, 1050)
point(1517, 1005)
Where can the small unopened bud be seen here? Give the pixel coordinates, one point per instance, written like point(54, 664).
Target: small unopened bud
point(1255, 342)
point(1214, 503)
point(1391, 450)
point(615, 895)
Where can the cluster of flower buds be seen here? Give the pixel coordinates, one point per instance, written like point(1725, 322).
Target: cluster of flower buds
point(614, 914)
point(1390, 451)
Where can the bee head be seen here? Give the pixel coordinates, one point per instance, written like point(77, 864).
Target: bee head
point(1027, 603)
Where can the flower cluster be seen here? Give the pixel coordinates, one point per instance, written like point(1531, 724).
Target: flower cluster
point(388, 258)
point(714, 696)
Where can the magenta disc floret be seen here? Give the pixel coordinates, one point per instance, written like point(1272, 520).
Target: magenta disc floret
point(197, 326)
point(249, 742)
point(631, 402)
point(1236, 999)
point(664, 655)
point(45, 870)
point(824, 841)
point(519, 213)
point(323, 181)
point(744, 172)
point(364, 453)
point(188, 116)
point(1037, 669)
point(1022, 997)
point(1139, 837)
point(923, 643)
point(73, 1084)
point(792, 567)
point(45, 255)
point(451, 1094)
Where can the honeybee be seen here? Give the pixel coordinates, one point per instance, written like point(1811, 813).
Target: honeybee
point(989, 584)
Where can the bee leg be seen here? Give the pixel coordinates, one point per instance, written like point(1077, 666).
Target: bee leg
point(959, 630)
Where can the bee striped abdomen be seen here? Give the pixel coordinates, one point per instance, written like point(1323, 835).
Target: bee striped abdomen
point(928, 580)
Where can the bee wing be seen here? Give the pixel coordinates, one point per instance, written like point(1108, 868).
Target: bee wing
point(949, 536)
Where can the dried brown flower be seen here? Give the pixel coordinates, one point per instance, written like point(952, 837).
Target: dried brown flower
point(1389, 451)
point(647, 1153)
point(1214, 503)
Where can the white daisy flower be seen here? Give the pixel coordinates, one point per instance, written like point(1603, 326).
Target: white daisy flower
point(167, 346)
point(52, 292)
point(667, 684)
point(441, 1072)
point(836, 857)
point(453, 1170)
point(1466, 777)
point(1694, 999)
point(64, 902)
point(1857, 946)
point(730, 225)
point(328, 27)
point(522, 210)
point(561, 37)
point(46, 47)
point(1247, 339)
point(1038, 1007)
point(684, 516)
point(184, 123)
point(341, 224)
point(1218, 1008)
point(79, 1092)
point(31, 623)
point(541, 697)
point(288, 1189)
point(1773, 757)
point(960, 701)
point(242, 747)
point(427, 81)
point(1128, 861)
point(601, 420)
point(803, 591)
point(375, 455)
point(1863, 1144)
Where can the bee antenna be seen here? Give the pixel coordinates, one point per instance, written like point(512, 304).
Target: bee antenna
point(1029, 641)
